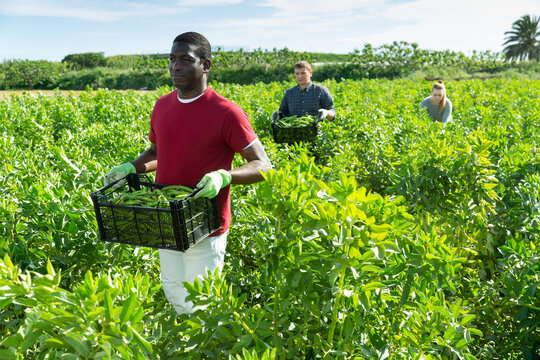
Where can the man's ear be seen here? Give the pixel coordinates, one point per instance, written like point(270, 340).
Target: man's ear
point(206, 65)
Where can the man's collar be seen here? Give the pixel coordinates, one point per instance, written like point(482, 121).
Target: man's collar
point(308, 87)
point(187, 101)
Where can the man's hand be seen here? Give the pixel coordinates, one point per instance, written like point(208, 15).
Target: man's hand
point(275, 116)
point(212, 182)
point(322, 114)
point(118, 172)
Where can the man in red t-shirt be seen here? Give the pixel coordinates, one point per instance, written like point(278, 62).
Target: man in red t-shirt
point(197, 132)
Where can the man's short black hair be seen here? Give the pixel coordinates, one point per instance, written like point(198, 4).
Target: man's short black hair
point(204, 51)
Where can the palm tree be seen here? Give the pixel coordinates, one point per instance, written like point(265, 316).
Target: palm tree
point(523, 41)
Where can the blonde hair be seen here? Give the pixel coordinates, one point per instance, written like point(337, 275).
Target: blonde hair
point(439, 85)
point(303, 65)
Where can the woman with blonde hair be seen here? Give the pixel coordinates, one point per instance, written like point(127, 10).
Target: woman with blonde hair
point(437, 105)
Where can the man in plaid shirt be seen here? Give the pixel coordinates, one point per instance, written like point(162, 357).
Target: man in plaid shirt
point(306, 98)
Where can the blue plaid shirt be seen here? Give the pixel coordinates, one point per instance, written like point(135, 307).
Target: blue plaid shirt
point(308, 101)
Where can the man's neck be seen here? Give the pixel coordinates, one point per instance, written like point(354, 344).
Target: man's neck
point(192, 93)
point(305, 86)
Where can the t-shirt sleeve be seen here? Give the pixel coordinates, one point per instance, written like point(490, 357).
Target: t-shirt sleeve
point(237, 130)
point(158, 109)
point(152, 134)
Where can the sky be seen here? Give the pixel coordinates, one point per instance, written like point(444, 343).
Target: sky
point(52, 29)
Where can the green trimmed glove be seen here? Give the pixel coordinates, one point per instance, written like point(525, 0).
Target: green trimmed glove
point(212, 182)
point(118, 172)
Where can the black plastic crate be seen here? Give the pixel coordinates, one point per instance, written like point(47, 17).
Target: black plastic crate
point(184, 223)
point(294, 134)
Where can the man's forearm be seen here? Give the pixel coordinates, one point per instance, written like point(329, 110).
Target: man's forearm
point(146, 162)
point(250, 173)
point(257, 162)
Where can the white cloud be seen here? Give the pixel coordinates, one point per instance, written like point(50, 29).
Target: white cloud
point(462, 25)
point(317, 25)
point(301, 25)
point(342, 25)
point(185, 3)
point(104, 12)
point(460, 11)
point(297, 18)
point(320, 7)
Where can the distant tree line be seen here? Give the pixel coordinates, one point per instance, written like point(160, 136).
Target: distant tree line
point(399, 59)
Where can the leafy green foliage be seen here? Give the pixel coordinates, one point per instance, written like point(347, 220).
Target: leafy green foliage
point(390, 61)
point(100, 319)
point(404, 239)
point(27, 74)
point(87, 60)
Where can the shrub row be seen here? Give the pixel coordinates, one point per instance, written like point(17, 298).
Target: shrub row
point(25, 74)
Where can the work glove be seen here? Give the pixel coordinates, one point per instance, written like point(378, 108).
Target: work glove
point(117, 173)
point(321, 115)
point(212, 182)
point(275, 116)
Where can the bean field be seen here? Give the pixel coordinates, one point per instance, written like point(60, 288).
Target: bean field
point(389, 237)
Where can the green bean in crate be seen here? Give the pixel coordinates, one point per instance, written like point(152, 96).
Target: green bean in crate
point(143, 213)
point(152, 197)
point(294, 128)
point(295, 121)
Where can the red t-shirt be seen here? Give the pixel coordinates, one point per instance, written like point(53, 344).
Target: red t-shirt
point(196, 138)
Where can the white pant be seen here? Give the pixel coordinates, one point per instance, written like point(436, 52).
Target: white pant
point(177, 267)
